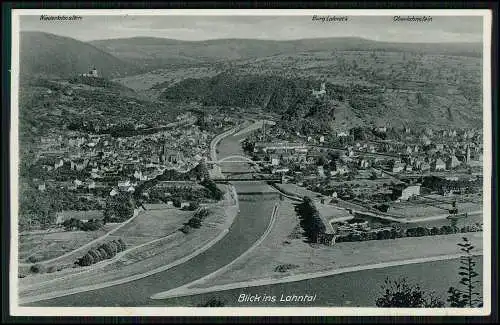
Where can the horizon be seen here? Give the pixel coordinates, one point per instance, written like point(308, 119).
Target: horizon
point(442, 29)
point(248, 39)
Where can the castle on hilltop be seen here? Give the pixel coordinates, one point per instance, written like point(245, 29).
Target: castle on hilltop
point(92, 73)
point(320, 92)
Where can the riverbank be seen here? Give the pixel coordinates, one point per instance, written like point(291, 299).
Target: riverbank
point(285, 246)
point(139, 262)
point(349, 289)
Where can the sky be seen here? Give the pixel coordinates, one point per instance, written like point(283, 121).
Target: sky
point(193, 28)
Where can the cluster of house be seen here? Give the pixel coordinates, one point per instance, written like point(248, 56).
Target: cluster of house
point(119, 163)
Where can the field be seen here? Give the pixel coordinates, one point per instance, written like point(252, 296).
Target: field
point(133, 262)
point(422, 207)
point(150, 225)
point(279, 248)
point(146, 227)
point(163, 78)
point(44, 246)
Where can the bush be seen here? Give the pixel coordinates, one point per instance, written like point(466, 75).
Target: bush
point(122, 243)
point(285, 267)
point(103, 253)
point(86, 260)
point(38, 268)
point(186, 229)
point(35, 258)
point(194, 222)
point(435, 231)
point(95, 255)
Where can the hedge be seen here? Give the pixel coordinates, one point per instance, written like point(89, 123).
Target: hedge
point(104, 251)
point(410, 232)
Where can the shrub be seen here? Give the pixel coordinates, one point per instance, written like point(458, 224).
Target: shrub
point(435, 231)
point(194, 222)
point(285, 267)
point(122, 243)
point(86, 260)
point(35, 258)
point(103, 253)
point(95, 257)
point(38, 268)
point(186, 229)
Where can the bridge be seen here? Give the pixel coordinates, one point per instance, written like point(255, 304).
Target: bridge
point(234, 159)
point(255, 178)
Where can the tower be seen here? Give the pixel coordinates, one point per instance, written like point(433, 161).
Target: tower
point(467, 155)
point(323, 87)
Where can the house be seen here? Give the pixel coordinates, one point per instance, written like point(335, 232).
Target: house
point(452, 162)
point(398, 167)
point(275, 160)
point(401, 193)
point(79, 164)
point(321, 92)
point(425, 166)
point(341, 170)
point(439, 165)
point(363, 164)
point(126, 185)
point(42, 187)
point(91, 185)
point(92, 73)
point(83, 216)
point(184, 204)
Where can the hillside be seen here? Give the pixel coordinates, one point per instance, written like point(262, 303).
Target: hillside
point(87, 104)
point(161, 53)
point(58, 56)
point(367, 87)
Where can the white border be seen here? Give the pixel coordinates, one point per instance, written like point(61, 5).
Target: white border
point(16, 310)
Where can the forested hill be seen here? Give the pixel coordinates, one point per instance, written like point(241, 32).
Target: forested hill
point(153, 52)
point(58, 56)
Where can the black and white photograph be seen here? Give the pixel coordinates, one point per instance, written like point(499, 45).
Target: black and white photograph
point(250, 162)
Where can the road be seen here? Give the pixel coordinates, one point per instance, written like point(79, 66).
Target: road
point(247, 228)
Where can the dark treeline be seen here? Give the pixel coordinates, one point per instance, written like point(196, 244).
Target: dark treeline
point(310, 219)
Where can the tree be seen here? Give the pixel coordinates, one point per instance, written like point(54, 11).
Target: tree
point(119, 208)
point(467, 296)
point(86, 260)
point(400, 293)
point(176, 202)
point(213, 302)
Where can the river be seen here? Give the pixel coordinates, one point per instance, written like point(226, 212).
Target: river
point(350, 289)
point(354, 289)
point(250, 223)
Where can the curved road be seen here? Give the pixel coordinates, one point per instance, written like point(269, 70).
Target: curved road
point(247, 228)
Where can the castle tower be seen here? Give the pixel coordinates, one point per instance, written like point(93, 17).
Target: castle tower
point(323, 87)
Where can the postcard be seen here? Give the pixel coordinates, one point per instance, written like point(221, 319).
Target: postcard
point(250, 162)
